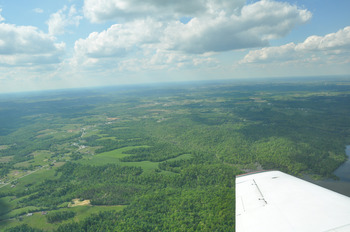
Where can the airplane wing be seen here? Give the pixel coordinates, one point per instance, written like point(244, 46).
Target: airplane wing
point(273, 201)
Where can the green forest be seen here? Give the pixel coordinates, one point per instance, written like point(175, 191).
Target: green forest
point(161, 157)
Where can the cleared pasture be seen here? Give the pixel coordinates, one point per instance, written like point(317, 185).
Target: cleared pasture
point(40, 158)
point(38, 219)
point(113, 157)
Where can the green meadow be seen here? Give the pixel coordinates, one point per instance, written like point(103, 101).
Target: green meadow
point(38, 220)
point(113, 157)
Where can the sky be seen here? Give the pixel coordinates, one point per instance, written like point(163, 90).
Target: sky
point(82, 43)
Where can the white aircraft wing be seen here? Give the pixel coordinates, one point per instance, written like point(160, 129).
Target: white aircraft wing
point(273, 201)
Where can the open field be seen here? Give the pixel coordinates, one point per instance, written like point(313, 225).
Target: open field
point(77, 202)
point(41, 158)
point(31, 178)
point(110, 157)
point(113, 157)
point(4, 147)
point(6, 159)
point(38, 220)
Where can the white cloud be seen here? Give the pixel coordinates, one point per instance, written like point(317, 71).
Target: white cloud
point(150, 35)
point(119, 39)
point(215, 26)
point(269, 54)
point(62, 19)
point(102, 10)
point(26, 45)
point(334, 41)
point(313, 49)
point(253, 27)
point(1, 18)
point(38, 10)
point(167, 60)
point(133, 46)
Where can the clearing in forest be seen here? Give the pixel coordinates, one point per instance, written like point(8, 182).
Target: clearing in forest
point(78, 202)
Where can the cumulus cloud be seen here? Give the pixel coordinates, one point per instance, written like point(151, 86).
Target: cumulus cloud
point(140, 38)
point(62, 19)
point(255, 25)
point(119, 39)
point(102, 10)
point(214, 26)
point(268, 54)
point(26, 45)
point(334, 43)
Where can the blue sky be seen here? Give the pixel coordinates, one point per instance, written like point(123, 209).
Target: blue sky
point(81, 43)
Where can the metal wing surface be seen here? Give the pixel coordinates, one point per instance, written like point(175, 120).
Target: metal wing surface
point(277, 202)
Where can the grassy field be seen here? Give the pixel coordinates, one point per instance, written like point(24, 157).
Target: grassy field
point(38, 220)
point(4, 147)
point(113, 157)
point(40, 158)
point(72, 127)
point(111, 138)
point(8, 204)
point(6, 159)
point(33, 178)
point(106, 157)
point(16, 212)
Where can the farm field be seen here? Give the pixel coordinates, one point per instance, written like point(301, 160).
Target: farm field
point(39, 219)
point(115, 156)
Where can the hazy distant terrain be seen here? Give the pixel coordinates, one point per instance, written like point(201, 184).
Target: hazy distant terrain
point(160, 158)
